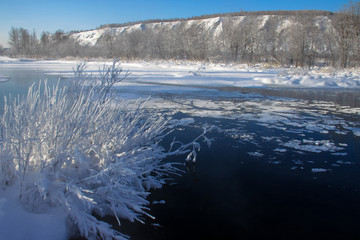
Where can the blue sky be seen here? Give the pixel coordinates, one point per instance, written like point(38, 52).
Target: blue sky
point(50, 15)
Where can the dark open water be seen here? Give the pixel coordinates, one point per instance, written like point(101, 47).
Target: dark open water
point(229, 194)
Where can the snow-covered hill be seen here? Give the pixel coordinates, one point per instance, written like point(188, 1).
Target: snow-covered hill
point(214, 26)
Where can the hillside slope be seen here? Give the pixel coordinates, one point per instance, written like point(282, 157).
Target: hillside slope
point(214, 26)
point(295, 38)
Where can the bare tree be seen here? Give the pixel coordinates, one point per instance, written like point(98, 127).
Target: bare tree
point(107, 42)
point(44, 43)
point(347, 25)
point(14, 39)
point(268, 40)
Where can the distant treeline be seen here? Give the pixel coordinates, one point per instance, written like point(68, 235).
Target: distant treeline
point(300, 38)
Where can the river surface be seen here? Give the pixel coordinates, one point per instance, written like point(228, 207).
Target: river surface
point(284, 168)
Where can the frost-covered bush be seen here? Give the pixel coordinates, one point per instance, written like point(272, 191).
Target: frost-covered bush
point(82, 152)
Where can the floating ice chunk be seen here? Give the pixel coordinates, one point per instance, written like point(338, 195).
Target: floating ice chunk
point(339, 154)
point(281, 150)
point(298, 162)
point(255, 154)
point(315, 146)
point(239, 134)
point(341, 132)
point(182, 122)
point(356, 132)
point(159, 202)
point(319, 170)
point(156, 225)
point(343, 162)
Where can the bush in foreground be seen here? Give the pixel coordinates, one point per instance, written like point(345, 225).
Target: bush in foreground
point(77, 149)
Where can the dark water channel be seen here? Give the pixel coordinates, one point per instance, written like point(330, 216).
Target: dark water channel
point(345, 97)
point(252, 187)
point(228, 194)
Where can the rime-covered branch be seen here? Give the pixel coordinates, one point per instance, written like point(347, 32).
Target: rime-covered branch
point(76, 150)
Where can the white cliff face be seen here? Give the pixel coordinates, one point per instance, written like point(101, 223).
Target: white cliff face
point(213, 26)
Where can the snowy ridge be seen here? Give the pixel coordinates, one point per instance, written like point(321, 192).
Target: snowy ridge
point(213, 25)
point(88, 37)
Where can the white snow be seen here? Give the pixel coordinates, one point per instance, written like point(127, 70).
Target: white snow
point(211, 75)
point(326, 77)
point(89, 37)
point(16, 223)
point(6, 59)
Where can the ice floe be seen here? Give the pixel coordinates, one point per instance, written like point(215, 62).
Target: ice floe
point(315, 146)
point(319, 170)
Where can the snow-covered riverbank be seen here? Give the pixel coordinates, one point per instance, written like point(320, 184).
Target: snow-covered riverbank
point(205, 74)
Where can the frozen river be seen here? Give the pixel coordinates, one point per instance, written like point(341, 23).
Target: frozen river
point(281, 167)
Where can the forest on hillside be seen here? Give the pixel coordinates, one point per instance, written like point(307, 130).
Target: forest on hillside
point(309, 38)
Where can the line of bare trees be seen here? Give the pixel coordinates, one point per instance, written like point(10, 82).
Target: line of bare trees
point(26, 44)
point(295, 38)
